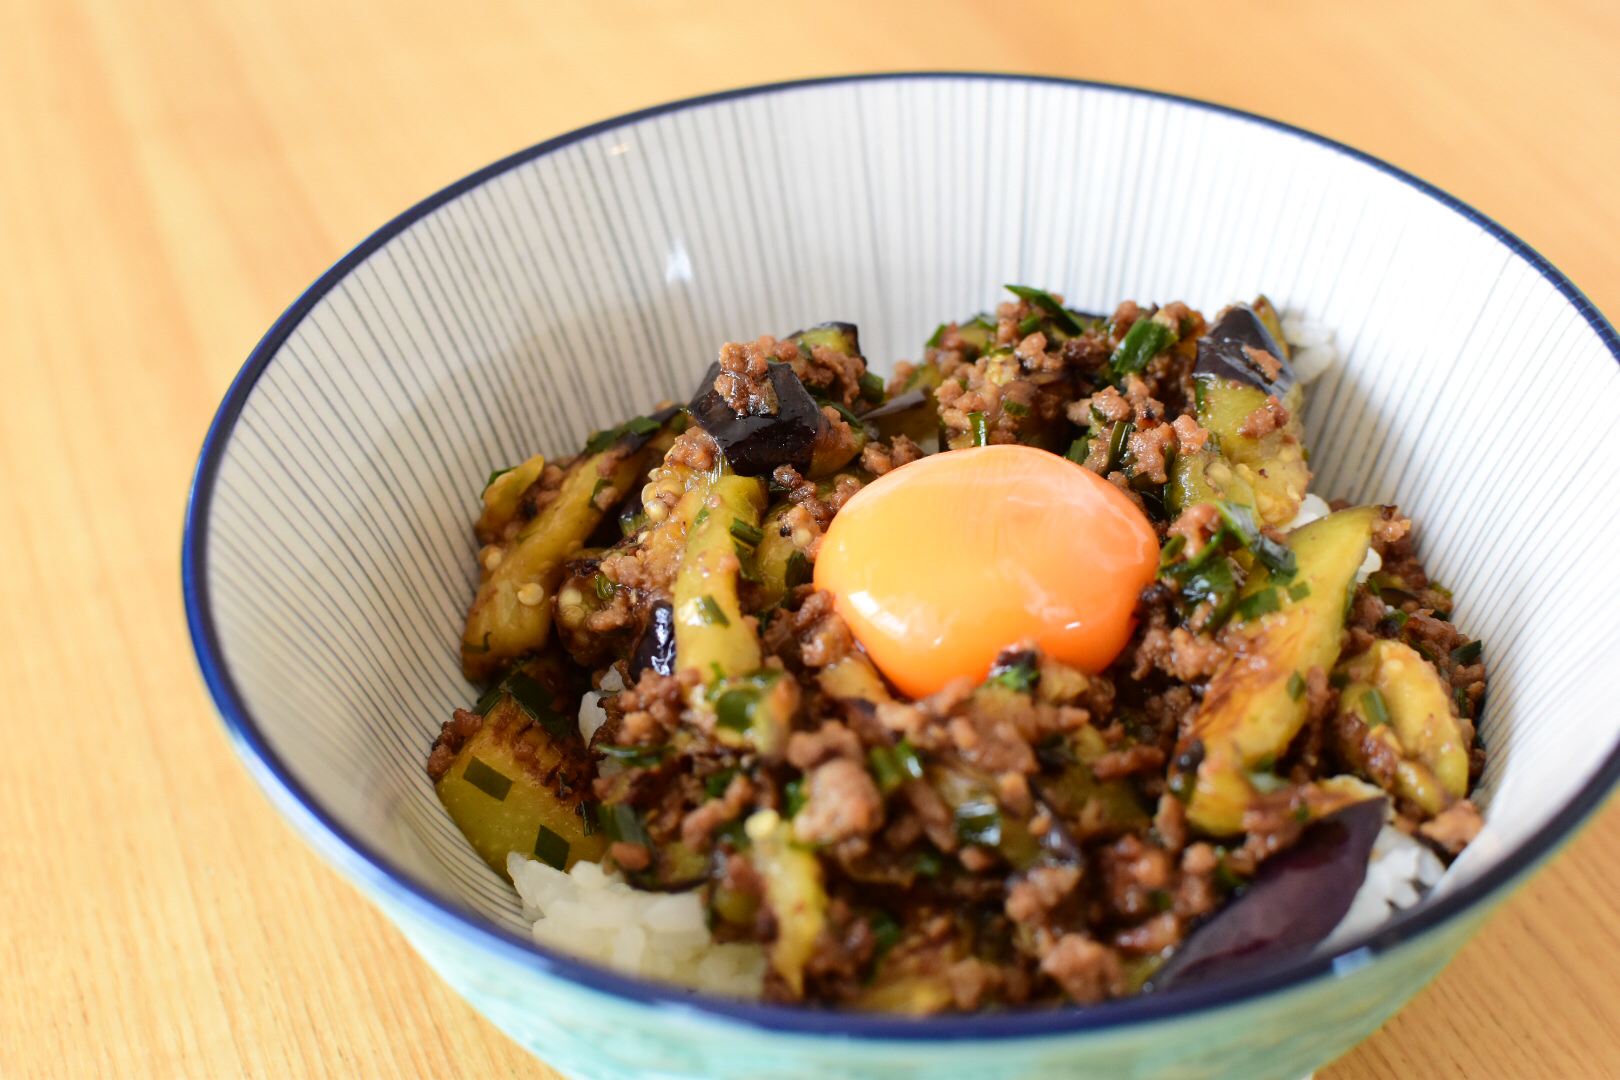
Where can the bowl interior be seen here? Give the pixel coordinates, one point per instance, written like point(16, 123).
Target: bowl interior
point(332, 555)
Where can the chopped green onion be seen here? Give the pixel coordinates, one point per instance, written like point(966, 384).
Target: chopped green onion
point(1377, 709)
point(491, 698)
point(551, 849)
point(735, 708)
point(478, 650)
point(1142, 342)
point(1182, 784)
point(939, 336)
point(590, 817)
point(928, 864)
point(872, 388)
point(1265, 782)
point(601, 440)
point(486, 779)
point(1467, 653)
point(885, 931)
point(1014, 408)
point(715, 786)
point(1020, 676)
point(602, 484)
point(1172, 548)
point(604, 587)
point(1078, 451)
point(884, 769)
point(747, 562)
point(793, 798)
point(981, 434)
point(1435, 586)
point(1464, 706)
point(496, 475)
point(702, 516)
point(1225, 876)
point(1048, 303)
point(636, 757)
point(1213, 581)
point(799, 571)
point(1339, 680)
point(1299, 591)
point(849, 416)
point(1302, 813)
point(623, 825)
point(709, 611)
point(748, 534)
point(536, 700)
point(1160, 899)
point(1029, 325)
point(906, 756)
point(1118, 443)
point(978, 821)
point(1296, 686)
point(1261, 603)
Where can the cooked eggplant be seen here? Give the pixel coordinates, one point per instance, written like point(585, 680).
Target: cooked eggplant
point(755, 445)
point(1252, 707)
point(841, 337)
point(1225, 352)
point(1294, 902)
point(655, 648)
point(1404, 703)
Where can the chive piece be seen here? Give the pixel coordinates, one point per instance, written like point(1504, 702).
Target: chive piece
point(486, 779)
point(715, 786)
point(710, 613)
point(639, 757)
point(630, 524)
point(551, 849)
point(1296, 686)
point(1377, 710)
point(939, 336)
point(1339, 680)
point(906, 756)
point(1014, 408)
point(1118, 443)
point(1225, 876)
point(604, 587)
point(1142, 342)
point(1019, 677)
point(702, 516)
point(602, 484)
point(1261, 603)
point(1212, 582)
point(880, 759)
point(1078, 451)
point(1265, 782)
point(1172, 548)
point(636, 425)
point(1467, 653)
point(1302, 813)
point(872, 388)
point(747, 562)
point(1435, 586)
point(928, 864)
point(798, 570)
point(496, 475)
point(1029, 325)
point(1048, 303)
point(589, 817)
point(477, 650)
point(1182, 784)
point(793, 798)
point(1299, 591)
point(735, 708)
point(1464, 706)
point(748, 534)
point(981, 434)
point(885, 931)
point(849, 415)
point(1160, 899)
point(623, 825)
point(536, 700)
point(492, 697)
point(978, 821)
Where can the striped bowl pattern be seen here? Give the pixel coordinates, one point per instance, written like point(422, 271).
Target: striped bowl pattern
point(329, 558)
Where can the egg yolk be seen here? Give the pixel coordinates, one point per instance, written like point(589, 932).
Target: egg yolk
point(942, 563)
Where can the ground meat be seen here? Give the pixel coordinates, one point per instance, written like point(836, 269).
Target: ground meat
point(1152, 936)
point(744, 380)
point(814, 635)
point(878, 458)
point(1269, 365)
point(1133, 871)
point(1271, 416)
point(1148, 446)
point(630, 857)
point(1454, 827)
point(1196, 891)
point(462, 725)
point(832, 374)
point(1190, 438)
point(698, 826)
point(1370, 758)
point(935, 817)
point(841, 802)
point(1170, 822)
point(835, 441)
point(806, 749)
point(1087, 970)
point(1117, 763)
point(1197, 523)
point(651, 710)
point(1033, 897)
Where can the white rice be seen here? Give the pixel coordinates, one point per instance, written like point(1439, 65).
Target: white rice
point(1311, 345)
point(1400, 873)
point(1314, 508)
point(596, 916)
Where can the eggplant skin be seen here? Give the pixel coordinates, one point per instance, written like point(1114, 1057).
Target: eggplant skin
point(1220, 352)
point(655, 648)
point(1295, 901)
point(756, 445)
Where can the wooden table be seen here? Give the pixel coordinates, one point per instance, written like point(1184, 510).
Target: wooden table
point(172, 174)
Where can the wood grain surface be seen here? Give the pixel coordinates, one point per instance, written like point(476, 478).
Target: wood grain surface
point(173, 173)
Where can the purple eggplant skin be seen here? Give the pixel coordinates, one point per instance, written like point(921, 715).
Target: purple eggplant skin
point(655, 648)
point(1294, 902)
point(1220, 351)
point(756, 445)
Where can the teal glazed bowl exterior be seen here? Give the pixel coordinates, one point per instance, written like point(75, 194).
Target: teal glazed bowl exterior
point(328, 553)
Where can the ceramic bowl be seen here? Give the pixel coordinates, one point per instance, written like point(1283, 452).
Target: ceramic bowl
point(329, 559)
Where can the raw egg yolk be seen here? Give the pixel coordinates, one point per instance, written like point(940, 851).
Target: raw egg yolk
point(941, 564)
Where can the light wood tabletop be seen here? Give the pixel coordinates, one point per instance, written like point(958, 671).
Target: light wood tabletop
point(173, 174)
